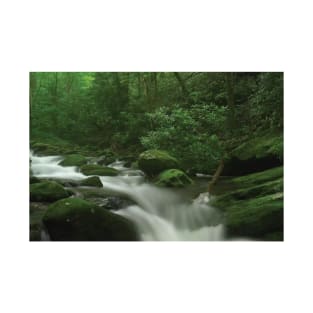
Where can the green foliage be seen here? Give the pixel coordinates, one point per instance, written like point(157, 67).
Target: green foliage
point(180, 132)
point(188, 114)
point(266, 103)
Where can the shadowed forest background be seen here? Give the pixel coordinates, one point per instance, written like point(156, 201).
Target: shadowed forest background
point(195, 116)
point(214, 133)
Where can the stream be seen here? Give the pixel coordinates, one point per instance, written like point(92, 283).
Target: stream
point(160, 214)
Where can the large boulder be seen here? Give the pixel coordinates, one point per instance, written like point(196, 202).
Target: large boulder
point(256, 218)
point(257, 154)
point(34, 180)
point(47, 191)
point(75, 219)
point(253, 205)
point(93, 169)
point(93, 181)
point(74, 160)
point(173, 178)
point(153, 162)
point(36, 212)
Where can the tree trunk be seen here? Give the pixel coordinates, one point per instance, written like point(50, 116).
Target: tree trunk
point(230, 87)
point(182, 86)
point(216, 175)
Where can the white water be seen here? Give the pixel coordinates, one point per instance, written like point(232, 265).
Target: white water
point(159, 214)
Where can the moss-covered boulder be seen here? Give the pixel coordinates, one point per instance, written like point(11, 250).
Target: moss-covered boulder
point(75, 219)
point(173, 178)
point(253, 205)
point(34, 180)
point(257, 154)
point(153, 162)
point(256, 218)
point(256, 190)
point(93, 169)
point(36, 212)
point(74, 160)
point(93, 181)
point(47, 191)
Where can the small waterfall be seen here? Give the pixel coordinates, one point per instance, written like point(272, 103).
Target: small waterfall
point(160, 214)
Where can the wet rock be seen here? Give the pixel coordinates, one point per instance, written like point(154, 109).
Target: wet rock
point(257, 154)
point(47, 191)
point(93, 169)
point(74, 160)
point(173, 178)
point(75, 219)
point(153, 162)
point(93, 181)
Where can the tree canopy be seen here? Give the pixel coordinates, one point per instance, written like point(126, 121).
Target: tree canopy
point(196, 116)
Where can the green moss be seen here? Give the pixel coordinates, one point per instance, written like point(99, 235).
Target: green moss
point(250, 192)
point(173, 178)
point(93, 181)
point(75, 219)
point(34, 180)
point(255, 217)
point(260, 177)
point(153, 162)
point(254, 206)
point(276, 236)
point(92, 169)
point(37, 211)
point(47, 191)
point(74, 160)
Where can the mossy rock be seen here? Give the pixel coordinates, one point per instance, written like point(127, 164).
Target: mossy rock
point(266, 188)
point(47, 191)
point(277, 236)
point(173, 178)
point(74, 160)
point(46, 149)
point(34, 180)
point(254, 206)
point(229, 184)
point(257, 154)
point(93, 169)
point(37, 211)
point(93, 181)
point(257, 217)
point(75, 219)
point(153, 162)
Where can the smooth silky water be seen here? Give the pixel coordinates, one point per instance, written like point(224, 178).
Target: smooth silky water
point(160, 214)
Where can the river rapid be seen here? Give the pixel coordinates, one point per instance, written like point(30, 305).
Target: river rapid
point(160, 214)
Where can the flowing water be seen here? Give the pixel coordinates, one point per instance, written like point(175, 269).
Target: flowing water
point(159, 214)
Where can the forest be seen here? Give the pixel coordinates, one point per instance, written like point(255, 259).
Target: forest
point(156, 156)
